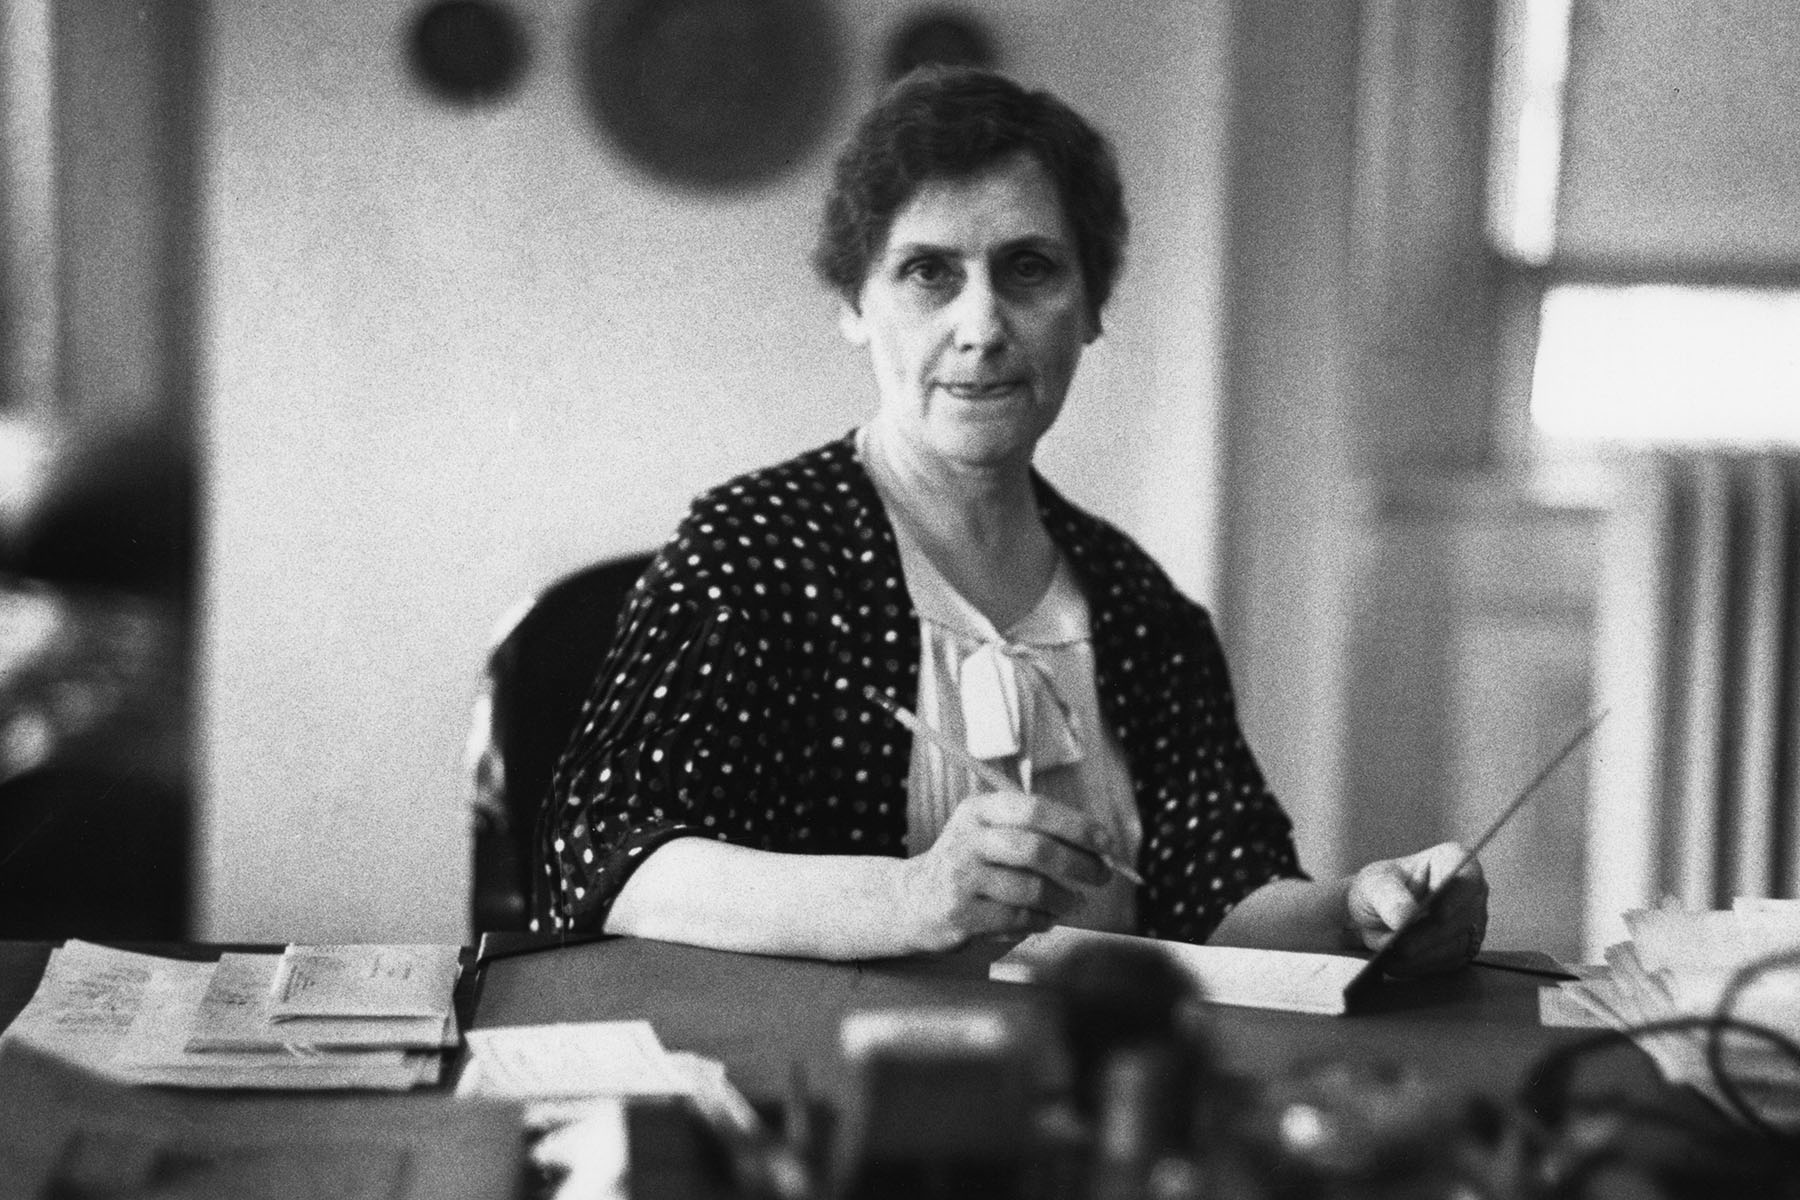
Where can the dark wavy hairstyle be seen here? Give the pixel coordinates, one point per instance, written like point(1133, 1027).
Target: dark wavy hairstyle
point(951, 123)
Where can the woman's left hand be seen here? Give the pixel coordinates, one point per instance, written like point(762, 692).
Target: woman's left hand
point(1384, 895)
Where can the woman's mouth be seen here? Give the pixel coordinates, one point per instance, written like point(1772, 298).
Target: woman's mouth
point(987, 390)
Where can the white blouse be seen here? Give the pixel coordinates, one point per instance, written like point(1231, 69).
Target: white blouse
point(1023, 698)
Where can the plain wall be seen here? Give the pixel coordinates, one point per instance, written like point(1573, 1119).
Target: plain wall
point(450, 353)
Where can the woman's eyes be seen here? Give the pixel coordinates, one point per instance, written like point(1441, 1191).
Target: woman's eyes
point(930, 272)
point(1026, 268)
point(1032, 268)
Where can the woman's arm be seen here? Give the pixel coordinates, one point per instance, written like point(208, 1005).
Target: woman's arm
point(707, 893)
point(1291, 914)
point(1363, 911)
point(1006, 863)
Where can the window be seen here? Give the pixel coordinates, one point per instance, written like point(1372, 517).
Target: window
point(1667, 363)
point(1645, 187)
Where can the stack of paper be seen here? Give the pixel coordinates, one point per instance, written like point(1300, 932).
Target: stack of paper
point(1281, 980)
point(1680, 964)
point(314, 1017)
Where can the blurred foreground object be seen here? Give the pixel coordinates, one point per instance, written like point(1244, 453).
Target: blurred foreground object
point(95, 606)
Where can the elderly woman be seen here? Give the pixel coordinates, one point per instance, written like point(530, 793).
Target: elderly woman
point(729, 785)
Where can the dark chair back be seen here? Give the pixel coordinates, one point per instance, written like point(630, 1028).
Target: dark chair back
point(540, 670)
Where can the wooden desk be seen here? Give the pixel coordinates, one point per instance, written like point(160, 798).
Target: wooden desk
point(1473, 1032)
point(1477, 1029)
point(758, 1015)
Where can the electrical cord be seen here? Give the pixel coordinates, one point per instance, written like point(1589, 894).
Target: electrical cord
point(1715, 1044)
point(1588, 1137)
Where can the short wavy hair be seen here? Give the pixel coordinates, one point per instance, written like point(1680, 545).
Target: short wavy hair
point(953, 122)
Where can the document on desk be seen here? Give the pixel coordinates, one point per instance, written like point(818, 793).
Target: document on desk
point(87, 999)
point(1281, 980)
point(236, 1014)
point(155, 1051)
point(554, 1062)
point(363, 981)
point(130, 1016)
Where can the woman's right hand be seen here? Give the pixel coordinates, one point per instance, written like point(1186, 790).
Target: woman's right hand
point(1006, 863)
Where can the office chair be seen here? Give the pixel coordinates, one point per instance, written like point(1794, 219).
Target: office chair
point(544, 659)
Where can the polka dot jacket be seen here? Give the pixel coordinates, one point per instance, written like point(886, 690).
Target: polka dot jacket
point(731, 704)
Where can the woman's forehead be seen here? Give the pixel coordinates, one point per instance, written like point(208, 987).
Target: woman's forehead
point(1012, 200)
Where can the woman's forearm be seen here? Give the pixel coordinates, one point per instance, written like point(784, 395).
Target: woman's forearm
point(714, 894)
point(1290, 914)
point(706, 893)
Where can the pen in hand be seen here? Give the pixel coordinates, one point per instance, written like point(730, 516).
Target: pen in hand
point(986, 772)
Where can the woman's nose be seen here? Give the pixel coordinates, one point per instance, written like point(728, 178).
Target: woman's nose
point(979, 316)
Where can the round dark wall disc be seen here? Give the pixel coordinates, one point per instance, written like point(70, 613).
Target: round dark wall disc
point(939, 36)
point(711, 94)
point(468, 50)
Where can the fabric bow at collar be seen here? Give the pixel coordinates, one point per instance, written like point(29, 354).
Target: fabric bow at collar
point(1011, 707)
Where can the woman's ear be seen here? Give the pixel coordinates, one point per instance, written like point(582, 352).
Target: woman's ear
point(851, 324)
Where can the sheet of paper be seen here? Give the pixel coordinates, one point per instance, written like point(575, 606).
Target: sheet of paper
point(549, 1062)
point(1558, 1008)
point(235, 1014)
point(1766, 905)
point(154, 1050)
point(1717, 940)
point(1281, 980)
point(88, 998)
point(364, 981)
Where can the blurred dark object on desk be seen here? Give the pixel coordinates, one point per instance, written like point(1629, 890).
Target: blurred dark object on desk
point(96, 591)
point(941, 1105)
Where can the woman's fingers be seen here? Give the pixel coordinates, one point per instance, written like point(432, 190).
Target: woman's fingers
point(1382, 897)
point(1426, 949)
point(990, 918)
point(1385, 897)
point(1005, 863)
point(1026, 890)
point(1057, 838)
point(1031, 850)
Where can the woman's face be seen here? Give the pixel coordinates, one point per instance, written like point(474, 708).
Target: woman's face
point(975, 315)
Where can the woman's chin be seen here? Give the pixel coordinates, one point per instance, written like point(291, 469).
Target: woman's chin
point(989, 447)
point(989, 436)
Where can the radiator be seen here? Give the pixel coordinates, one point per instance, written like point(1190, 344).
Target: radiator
point(1696, 771)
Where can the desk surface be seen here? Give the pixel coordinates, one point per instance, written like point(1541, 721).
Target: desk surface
point(1477, 1029)
point(758, 1015)
point(1472, 1032)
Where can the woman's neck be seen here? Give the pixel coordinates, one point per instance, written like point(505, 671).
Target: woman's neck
point(979, 524)
point(985, 505)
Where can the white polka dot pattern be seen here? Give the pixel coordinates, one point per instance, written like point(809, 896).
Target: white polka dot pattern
point(731, 704)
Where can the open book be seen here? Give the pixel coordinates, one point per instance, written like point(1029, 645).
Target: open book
point(1283, 980)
